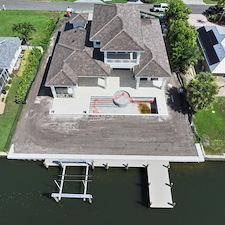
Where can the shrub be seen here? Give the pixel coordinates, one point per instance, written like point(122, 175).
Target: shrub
point(7, 87)
point(47, 33)
point(213, 17)
point(9, 81)
point(28, 75)
point(12, 75)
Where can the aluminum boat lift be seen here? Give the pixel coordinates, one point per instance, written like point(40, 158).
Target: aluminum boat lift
point(64, 164)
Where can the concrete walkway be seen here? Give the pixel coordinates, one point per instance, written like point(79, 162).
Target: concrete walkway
point(199, 20)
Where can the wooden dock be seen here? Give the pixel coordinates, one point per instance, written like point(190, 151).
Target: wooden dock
point(160, 195)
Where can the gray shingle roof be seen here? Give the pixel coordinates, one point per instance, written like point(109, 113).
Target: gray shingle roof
point(74, 38)
point(8, 48)
point(154, 61)
point(110, 20)
point(79, 18)
point(71, 59)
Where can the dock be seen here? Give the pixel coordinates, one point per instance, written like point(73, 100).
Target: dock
point(160, 195)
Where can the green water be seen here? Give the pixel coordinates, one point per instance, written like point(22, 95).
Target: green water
point(119, 196)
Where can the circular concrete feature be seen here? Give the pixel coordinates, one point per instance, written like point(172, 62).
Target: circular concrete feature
point(121, 98)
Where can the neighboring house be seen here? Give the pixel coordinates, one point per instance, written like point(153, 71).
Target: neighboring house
point(10, 48)
point(212, 42)
point(119, 42)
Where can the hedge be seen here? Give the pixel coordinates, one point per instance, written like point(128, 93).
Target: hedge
point(47, 33)
point(28, 76)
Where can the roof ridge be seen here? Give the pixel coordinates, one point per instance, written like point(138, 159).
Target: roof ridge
point(69, 55)
point(95, 61)
point(119, 34)
point(112, 38)
point(66, 74)
point(54, 76)
point(144, 66)
point(65, 46)
point(78, 14)
point(153, 59)
point(106, 25)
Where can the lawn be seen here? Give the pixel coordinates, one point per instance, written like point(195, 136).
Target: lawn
point(116, 1)
point(38, 19)
point(51, 0)
point(210, 2)
point(210, 127)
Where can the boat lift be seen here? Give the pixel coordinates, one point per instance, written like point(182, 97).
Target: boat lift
point(64, 164)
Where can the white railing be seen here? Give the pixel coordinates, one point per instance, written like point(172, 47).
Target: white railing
point(121, 60)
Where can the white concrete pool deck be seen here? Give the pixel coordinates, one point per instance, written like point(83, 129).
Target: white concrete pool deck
point(81, 103)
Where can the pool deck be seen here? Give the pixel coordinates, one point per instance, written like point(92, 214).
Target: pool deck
point(119, 80)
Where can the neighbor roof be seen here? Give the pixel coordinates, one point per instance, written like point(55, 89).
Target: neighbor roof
point(117, 26)
point(208, 40)
point(8, 48)
point(212, 40)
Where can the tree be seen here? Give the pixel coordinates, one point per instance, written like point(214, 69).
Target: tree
point(184, 50)
point(177, 10)
point(24, 30)
point(201, 91)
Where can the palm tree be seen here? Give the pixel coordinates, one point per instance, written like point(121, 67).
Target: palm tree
point(24, 30)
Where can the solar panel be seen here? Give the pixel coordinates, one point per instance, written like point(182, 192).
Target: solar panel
point(208, 45)
point(212, 37)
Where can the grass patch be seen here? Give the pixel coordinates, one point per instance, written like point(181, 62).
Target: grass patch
point(9, 119)
point(23, 63)
point(210, 127)
point(38, 19)
point(116, 1)
point(210, 2)
point(51, 0)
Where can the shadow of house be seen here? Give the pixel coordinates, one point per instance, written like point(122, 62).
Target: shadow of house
point(177, 101)
point(88, 43)
point(43, 90)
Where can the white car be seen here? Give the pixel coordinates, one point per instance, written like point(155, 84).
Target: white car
point(162, 7)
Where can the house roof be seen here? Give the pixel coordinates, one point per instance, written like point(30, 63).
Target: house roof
point(212, 40)
point(71, 59)
point(8, 48)
point(79, 18)
point(114, 22)
point(76, 18)
point(154, 60)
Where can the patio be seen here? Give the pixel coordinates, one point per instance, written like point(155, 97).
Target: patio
point(120, 80)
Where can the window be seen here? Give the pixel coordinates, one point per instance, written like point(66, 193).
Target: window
point(154, 78)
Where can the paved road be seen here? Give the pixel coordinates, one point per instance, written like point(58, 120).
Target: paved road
point(77, 6)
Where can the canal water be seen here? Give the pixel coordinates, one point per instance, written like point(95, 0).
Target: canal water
point(120, 197)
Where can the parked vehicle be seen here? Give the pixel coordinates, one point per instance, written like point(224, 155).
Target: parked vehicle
point(162, 7)
point(213, 9)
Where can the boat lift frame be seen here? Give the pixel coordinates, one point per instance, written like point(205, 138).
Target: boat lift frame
point(64, 165)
